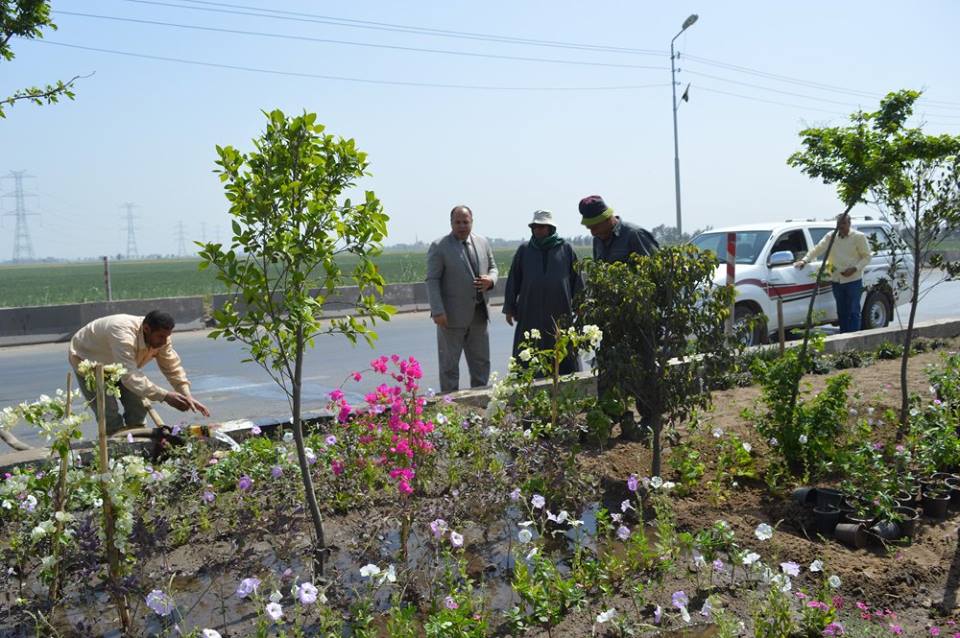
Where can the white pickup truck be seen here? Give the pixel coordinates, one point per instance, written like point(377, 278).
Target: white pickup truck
point(765, 254)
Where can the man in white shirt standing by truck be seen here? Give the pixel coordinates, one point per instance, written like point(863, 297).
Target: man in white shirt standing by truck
point(848, 257)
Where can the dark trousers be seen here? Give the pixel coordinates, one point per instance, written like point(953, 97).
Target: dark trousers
point(847, 297)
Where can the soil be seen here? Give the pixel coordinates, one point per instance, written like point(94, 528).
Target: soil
point(918, 581)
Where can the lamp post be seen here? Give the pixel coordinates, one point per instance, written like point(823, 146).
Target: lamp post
point(676, 145)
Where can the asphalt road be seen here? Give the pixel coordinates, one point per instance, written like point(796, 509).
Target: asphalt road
point(234, 390)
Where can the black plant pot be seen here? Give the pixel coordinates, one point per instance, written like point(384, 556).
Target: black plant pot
point(909, 521)
point(826, 519)
point(805, 496)
point(954, 485)
point(851, 534)
point(828, 496)
point(887, 530)
point(935, 505)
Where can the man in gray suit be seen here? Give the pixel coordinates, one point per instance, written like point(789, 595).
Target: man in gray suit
point(460, 272)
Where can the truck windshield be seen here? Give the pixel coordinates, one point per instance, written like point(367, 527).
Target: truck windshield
point(750, 244)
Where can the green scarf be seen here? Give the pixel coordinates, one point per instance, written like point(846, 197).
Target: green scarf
point(547, 242)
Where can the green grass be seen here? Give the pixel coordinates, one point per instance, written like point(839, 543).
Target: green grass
point(51, 284)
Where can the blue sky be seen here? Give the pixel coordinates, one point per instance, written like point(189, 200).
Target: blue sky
point(144, 130)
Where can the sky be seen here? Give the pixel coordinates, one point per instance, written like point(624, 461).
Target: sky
point(543, 103)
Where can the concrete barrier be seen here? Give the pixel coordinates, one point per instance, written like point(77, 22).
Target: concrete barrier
point(50, 324)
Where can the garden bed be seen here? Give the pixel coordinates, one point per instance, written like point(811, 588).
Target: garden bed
point(204, 521)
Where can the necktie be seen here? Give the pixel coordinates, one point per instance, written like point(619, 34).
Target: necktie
point(472, 257)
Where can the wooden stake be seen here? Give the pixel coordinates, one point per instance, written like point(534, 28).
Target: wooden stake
point(109, 516)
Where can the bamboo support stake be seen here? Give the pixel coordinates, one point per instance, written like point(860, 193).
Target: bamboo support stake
point(60, 500)
point(109, 522)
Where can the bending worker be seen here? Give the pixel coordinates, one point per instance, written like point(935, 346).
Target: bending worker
point(133, 342)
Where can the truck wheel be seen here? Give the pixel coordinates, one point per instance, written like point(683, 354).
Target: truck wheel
point(741, 315)
point(876, 310)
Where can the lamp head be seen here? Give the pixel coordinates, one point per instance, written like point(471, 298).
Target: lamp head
point(689, 21)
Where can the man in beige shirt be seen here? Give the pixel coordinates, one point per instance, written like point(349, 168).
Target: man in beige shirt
point(848, 257)
point(133, 342)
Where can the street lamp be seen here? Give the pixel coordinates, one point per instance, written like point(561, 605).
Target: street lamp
point(676, 146)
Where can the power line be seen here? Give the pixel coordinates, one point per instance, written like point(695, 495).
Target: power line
point(181, 240)
point(22, 245)
point(284, 36)
point(802, 82)
point(433, 85)
point(132, 252)
point(296, 16)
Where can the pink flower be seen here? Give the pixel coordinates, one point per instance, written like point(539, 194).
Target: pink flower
point(357, 376)
point(336, 395)
point(934, 631)
point(896, 629)
point(337, 467)
point(450, 603)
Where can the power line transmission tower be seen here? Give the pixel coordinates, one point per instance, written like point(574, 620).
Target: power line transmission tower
point(132, 251)
point(181, 240)
point(22, 246)
point(203, 232)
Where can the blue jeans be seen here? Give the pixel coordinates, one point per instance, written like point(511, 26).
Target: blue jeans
point(847, 297)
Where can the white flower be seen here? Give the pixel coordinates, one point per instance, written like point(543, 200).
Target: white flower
point(456, 539)
point(685, 614)
point(389, 575)
point(606, 616)
point(773, 441)
point(698, 559)
point(275, 611)
point(803, 439)
point(764, 532)
point(816, 566)
point(747, 446)
point(441, 418)
point(834, 581)
point(211, 633)
point(594, 334)
point(750, 558)
point(656, 482)
point(532, 553)
point(275, 596)
point(668, 485)
point(525, 355)
point(534, 334)
point(370, 570)
point(790, 568)
point(287, 437)
point(525, 535)
point(306, 593)
point(717, 433)
point(537, 501)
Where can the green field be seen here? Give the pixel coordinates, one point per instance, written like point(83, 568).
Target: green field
point(50, 284)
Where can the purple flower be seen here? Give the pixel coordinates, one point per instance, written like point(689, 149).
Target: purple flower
point(255, 430)
point(718, 566)
point(331, 440)
point(790, 568)
point(633, 483)
point(657, 613)
point(679, 599)
point(623, 532)
point(538, 501)
point(276, 471)
point(208, 496)
point(245, 483)
point(450, 603)
point(456, 539)
point(161, 603)
point(247, 586)
point(515, 494)
point(307, 593)
point(438, 527)
point(175, 430)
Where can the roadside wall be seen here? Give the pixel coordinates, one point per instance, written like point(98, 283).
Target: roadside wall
point(51, 324)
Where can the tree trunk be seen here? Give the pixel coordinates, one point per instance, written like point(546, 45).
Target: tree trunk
point(319, 549)
point(656, 424)
point(908, 340)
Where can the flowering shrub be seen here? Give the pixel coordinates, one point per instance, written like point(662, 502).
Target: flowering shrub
point(390, 430)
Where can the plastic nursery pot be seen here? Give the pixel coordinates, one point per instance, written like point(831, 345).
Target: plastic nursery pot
point(826, 519)
point(887, 530)
point(935, 504)
point(909, 521)
point(851, 534)
point(828, 496)
point(906, 498)
point(954, 484)
point(805, 496)
point(866, 519)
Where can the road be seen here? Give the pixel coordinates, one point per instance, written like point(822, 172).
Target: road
point(234, 390)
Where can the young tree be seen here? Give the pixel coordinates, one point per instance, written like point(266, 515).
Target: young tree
point(27, 19)
point(288, 229)
point(663, 330)
point(857, 158)
point(922, 198)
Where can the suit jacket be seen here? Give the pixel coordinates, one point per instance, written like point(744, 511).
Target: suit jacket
point(450, 278)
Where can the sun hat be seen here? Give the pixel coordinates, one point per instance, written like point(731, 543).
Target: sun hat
point(542, 218)
point(594, 210)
